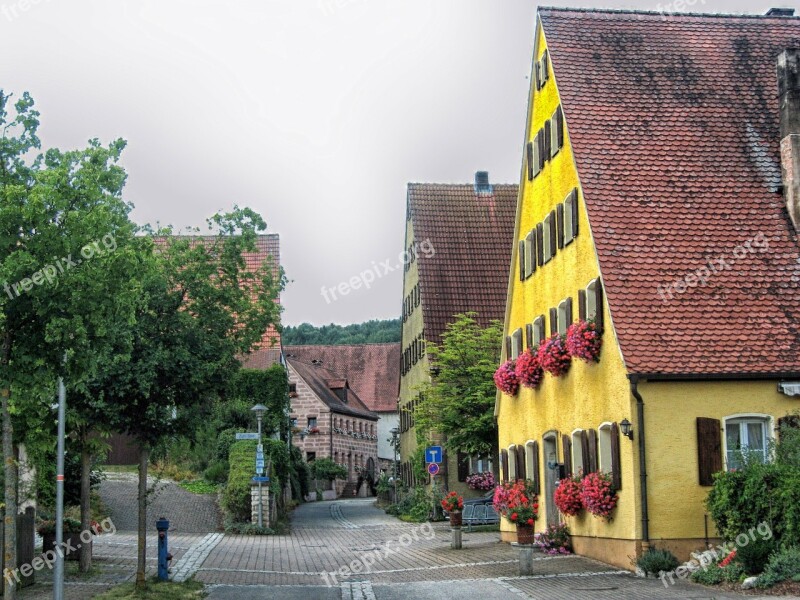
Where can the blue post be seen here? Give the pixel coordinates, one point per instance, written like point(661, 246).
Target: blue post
point(163, 549)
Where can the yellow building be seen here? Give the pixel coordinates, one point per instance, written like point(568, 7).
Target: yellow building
point(650, 201)
point(457, 245)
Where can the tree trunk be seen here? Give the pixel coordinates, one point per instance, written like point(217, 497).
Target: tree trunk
point(144, 456)
point(10, 492)
point(86, 467)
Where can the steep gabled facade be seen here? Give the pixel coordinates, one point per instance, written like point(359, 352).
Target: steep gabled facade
point(651, 203)
point(458, 241)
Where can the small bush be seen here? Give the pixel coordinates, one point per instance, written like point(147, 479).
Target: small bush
point(217, 472)
point(248, 529)
point(711, 575)
point(754, 556)
point(655, 561)
point(782, 566)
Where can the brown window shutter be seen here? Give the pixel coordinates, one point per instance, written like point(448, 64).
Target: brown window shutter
point(568, 312)
point(540, 244)
point(540, 143)
point(585, 451)
point(560, 225)
point(616, 473)
point(529, 154)
point(593, 461)
point(463, 466)
point(598, 293)
point(537, 74)
point(521, 253)
point(574, 200)
point(709, 449)
point(521, 467)
point(553, 321)
point(535, 475)
point(504, 464)
point(553, 235)
point(508, 347)
point(548, 139)
point(532, 241)
point(582, 305)
point(545, 72)
point(559, 121)
point(529, 335)
point(566, 445)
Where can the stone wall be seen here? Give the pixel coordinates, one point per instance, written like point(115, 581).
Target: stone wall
point(264, 504)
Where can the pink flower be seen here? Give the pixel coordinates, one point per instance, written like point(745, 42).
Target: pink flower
point(584, 341)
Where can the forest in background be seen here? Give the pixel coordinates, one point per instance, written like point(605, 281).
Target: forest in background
point(371, 332)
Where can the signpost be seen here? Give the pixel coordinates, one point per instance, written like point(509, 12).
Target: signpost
point(246, 436)
point(433, 469)
point(433, 454)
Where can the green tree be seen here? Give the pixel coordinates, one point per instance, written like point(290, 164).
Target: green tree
point(63, 233)
point(371, 332)
point(459, 402)
point(327, 470)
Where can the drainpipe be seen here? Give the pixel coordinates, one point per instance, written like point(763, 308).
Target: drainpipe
point(642, 461)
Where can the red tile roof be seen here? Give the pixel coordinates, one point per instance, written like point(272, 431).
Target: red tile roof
point(323, 382)
point(372, 370)
point(470, 237)
point(674, 123)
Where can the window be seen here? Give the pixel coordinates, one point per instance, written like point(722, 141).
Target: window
point(606, 463)
point(311, 456)
point(292, 390)
point(516, 343)
point(591, 299)
point(547, 243)
point(577, 453)
point(530, 264)
point(556, 132)
point(564, 316)
point(312, 422)
point(512, 463)
point(745, 436)
point(538, 330)
point(570, 223)
point(293, 421)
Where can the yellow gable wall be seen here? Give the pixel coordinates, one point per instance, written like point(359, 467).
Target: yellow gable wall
point(588, 395)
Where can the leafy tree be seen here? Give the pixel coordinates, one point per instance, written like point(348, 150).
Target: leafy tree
point(459, 402)
point(371, 332)
point(64, 230)
point(327, 470)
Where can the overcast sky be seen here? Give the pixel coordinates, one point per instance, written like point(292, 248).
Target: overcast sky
point(315, 113)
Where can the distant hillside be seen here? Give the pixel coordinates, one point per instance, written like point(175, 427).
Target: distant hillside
point(371, 332)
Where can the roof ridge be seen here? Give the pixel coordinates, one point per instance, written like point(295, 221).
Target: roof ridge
point(340, 345)
point(471, 185)
point(663, 14)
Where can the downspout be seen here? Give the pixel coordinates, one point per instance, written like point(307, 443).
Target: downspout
point(642, 461)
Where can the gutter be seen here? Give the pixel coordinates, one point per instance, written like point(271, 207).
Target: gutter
point(740, 376)
point(634, 379)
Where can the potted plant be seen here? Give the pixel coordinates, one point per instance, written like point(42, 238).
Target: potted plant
point(598, 495)
point(481, 481)
point(554, 356)
point(520, 505)
point(584, 341)
point(453, 503)
point(505, 378)
point(529, 369)
point(568, 496)
point(71, 536)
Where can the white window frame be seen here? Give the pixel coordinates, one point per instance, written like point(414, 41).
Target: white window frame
point(516, 343)
point(742, 418)
point(604, 447)
point(538, 331)
point(577, 453)
point(529, 464)
point(561, 324)
point(546, 244)
point(530, 255)
point(568, 217)
point(591, 299)
point(512, 463)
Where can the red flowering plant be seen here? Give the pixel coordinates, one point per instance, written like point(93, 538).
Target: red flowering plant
point(728, 559)
point(529, 369)
point(481, 481)
point(505, 378)
point(584, 341)
point(554, 356)
point(598, 495)
point(555, 540)
point(517, 502)
point(452, 502)
point(568, 496)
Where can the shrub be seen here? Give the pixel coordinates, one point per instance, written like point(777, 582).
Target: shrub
point(782, 566)
point(656, 560)
point(754, 555)
point(217, 472)
point(236, 497)
point(711, 575)
point(327, 470)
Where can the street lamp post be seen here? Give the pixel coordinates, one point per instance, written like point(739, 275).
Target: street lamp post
point(259, 409)
point(395, 432)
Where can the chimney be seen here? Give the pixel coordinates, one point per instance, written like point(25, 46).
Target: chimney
point(780, 12)
point(789, 102)
point(482, 185)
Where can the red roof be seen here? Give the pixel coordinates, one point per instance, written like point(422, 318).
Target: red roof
point(372, 370)
point(339, 398)
point(674, 124)
point(469, 240)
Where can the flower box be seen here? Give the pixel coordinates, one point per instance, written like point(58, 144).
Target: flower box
point(584, 341)
point(529, 369)
point(505, 378)
point(553, 355)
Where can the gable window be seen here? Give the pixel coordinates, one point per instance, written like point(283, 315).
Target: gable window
point(516, 343)
point(542, 73)
point(547, 241)
point(556, 132)
point(570, 221)
point(745, 437)
point(312, 422)
point(530, 257)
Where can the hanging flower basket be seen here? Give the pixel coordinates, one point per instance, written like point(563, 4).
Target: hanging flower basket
point(481, 481)
point(568, 496)
point(529, 369)
point(554, 356)
point(598, 495)
point(505, 378)
point(584, 341)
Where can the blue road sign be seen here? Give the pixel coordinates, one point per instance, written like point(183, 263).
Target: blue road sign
point(246, 436)
point(260, 464)
point(260, 479)
point(433, 454)
point(433, 469)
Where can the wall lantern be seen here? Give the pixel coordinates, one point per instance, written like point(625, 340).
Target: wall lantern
point(626, 429)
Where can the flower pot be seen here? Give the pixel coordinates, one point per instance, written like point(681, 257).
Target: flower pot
point(455, 519)
point(524, 534)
